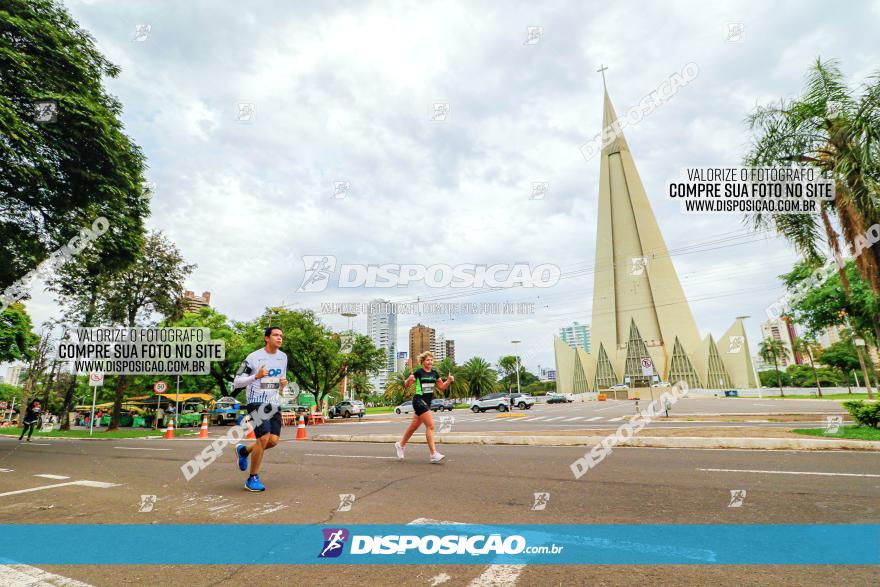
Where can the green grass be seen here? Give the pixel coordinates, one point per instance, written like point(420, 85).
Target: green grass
point(380, 409)
point(824, 396)
point(98, 433)
point(851, 432)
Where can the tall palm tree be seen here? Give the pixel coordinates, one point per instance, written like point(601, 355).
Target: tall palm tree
point(771, 349)
point(833, 130)
point(395, 390)
point(806, 346)
point(459, 387)
point(360, 384)
point(480, 376)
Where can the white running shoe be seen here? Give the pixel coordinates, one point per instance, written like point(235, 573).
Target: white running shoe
point(437, 457)
point(399, 450)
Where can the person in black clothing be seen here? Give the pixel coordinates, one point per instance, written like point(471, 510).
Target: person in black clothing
point(425, 379)
point(31, 419)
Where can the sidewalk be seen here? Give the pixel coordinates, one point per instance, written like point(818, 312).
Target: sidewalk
point(736, 438)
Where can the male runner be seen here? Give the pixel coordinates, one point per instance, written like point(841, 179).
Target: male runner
point(264, 374)
point(31, 418)
point(425, 379)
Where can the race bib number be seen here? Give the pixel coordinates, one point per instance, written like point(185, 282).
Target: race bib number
point(270, 383)
point(427, 387)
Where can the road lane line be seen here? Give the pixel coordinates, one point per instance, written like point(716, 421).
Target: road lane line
point(536, 419)
point(95, 484)
point(611, 407)
point(350, 456)
point(573, 419)
point(36, 444)
point(594, 418)
point(139, 448)
point(494, 575)
point(48, 476)
point(6, 470)
point(27, 576)
point(791, 472)
point(556, 418)
point(616, 419)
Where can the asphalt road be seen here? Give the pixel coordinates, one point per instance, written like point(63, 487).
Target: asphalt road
point(477, 484)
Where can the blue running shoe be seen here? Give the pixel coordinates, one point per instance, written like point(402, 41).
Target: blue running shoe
point(253, 484)
point(242, 457)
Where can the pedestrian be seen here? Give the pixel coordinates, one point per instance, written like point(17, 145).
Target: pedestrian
point(425, 379)
point(31, 417)
point(264, 374)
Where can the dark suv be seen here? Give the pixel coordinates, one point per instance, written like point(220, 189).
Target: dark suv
point(440, 404)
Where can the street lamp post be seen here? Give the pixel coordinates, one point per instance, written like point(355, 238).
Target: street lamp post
point(516, 353)
point(348, 315)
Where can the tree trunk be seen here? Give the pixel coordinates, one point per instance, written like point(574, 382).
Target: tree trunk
point(815, 373)
point(778, 377)
point(68, 401)
point(121, 385)
point(864, 372)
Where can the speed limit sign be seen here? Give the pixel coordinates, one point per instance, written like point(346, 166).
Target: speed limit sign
point(160, 386)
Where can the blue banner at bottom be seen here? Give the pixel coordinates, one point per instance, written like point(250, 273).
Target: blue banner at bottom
point(602, 544)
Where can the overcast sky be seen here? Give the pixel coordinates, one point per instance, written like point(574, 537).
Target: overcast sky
point(344, 91)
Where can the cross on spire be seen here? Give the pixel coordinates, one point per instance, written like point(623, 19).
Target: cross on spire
point(601, 70)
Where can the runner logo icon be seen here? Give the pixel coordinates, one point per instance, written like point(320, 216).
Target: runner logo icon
point(334, 540)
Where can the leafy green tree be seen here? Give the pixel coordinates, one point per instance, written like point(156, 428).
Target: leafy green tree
point(235, 344)
point(836, 132)
point(842, 356)
point(771, 349)
point(59, 176)
point(319, 358)
point(153, 283)
point(806, 347)
point(360, 385)
point(773, 377)
point(479, 375)
point(17, 338)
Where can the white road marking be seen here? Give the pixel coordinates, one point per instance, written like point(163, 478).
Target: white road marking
point(48, 476)
point(536, 419)
point(573, 419)
point(6, 470)
point(594, 418)
point(616, 419)
point(36, 444)
point(95, 484)
point(138, 448)
point(27, 576)
point(611, 407)
point(556, 418)
point(498, 576)
point(350, 456)
point(790, 472)
point(494, 575)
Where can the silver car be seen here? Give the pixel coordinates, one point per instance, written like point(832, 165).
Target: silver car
point(404, 408)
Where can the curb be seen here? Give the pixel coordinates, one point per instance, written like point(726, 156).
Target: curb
point(636, 441)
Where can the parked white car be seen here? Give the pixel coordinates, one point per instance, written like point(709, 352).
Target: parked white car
point(492, 401)
point(404, 408)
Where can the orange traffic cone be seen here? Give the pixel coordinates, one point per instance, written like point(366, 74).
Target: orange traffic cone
point(250, 428)
point(203, 433)
point(301, 429)
point(169, 431)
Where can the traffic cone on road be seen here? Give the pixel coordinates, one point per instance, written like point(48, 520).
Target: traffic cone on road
point(301, 429)
point(203, 433)
point(169, 431)
point(248, 425)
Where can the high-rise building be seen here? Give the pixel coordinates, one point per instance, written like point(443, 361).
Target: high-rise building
point(13, 375)
point(450, 350)
point(829, 336)
point(382, 330)
point(782, 330)
point(576, 335)
point(439, 347)
point(421, 339)
point(193, 302)
point(642, 327)
point(401, 360)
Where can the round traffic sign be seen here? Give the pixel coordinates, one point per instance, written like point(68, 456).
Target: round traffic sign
point(647, 363)
point(96, 376)
point(160, 386)
point(3, 405)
